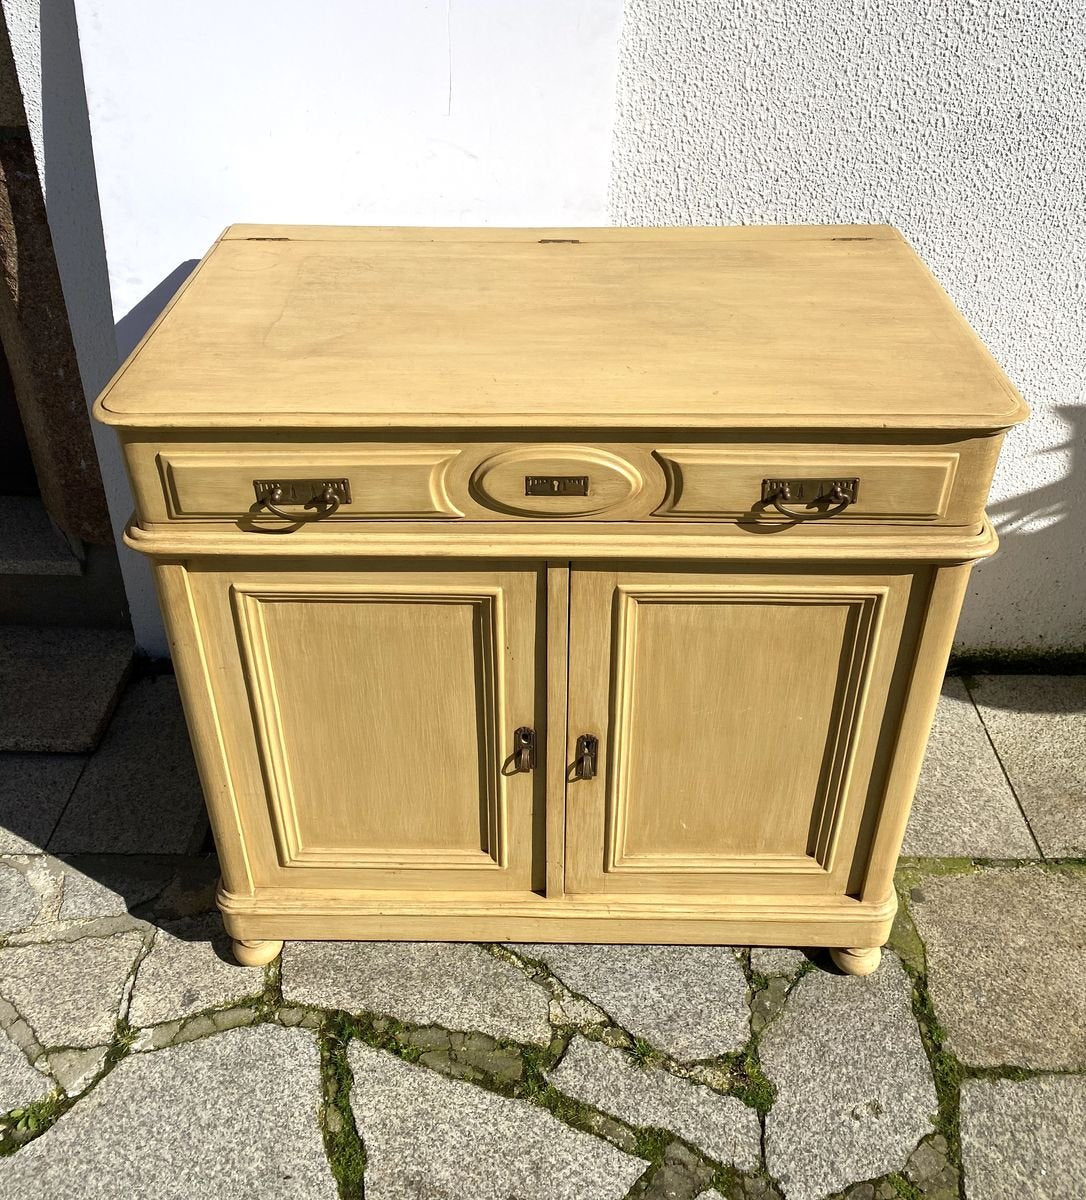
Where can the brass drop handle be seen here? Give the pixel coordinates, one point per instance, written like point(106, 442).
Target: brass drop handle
point(327, 498)
point(587, 756)
point(524, 749)
point(839, 492)
point(325, 495)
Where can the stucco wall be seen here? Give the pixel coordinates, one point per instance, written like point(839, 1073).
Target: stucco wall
point(959, 122)
point(962, 123)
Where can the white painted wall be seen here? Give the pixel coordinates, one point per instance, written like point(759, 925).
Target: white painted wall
point(959, 121)
point(383, 112)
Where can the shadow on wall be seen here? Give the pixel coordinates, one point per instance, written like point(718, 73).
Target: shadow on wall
point(134, 324)
point(1040, 533)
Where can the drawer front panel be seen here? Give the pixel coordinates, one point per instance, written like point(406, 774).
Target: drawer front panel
point(943, 483)
point(726, 483)
point(385, 482)
point(557, 481)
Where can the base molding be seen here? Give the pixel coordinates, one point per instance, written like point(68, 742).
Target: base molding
point(278, 914)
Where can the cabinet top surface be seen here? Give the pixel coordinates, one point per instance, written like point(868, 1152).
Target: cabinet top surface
point(786, 326)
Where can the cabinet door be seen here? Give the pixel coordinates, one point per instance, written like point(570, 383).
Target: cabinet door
point(738, 717)
point(368, 718)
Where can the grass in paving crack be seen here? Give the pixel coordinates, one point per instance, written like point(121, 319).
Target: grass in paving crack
point(946, 1071)
point(342, 1144)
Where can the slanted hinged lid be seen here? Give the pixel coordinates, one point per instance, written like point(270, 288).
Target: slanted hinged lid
point(831, 327)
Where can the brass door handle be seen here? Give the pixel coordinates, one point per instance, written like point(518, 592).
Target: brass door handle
point(586, 759)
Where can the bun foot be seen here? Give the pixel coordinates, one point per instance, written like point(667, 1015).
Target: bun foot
point(860, 961)
point(255, 954)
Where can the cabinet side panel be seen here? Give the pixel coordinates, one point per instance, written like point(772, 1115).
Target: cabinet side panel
point(201, 714)
point(924, 672)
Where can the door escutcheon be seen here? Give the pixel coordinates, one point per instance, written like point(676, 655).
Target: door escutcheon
point(588, 746)
point(524, 749)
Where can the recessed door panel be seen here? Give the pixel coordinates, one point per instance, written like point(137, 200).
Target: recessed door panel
point(384, 706)
point(737, 719)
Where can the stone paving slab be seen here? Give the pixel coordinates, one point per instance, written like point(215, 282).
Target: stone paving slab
point(457, 986)
point(20, 1083)
point(234, 1117)
point(428, 1136)
point(724, 1127)
point(20, 902)
point(109, 885)
point(964, 806)
point(60, 686)
point(1006, 963)
point(1038, 726)
point(140, 793)
point(34, 788)
point(188, 969)
point(1024, 1140)
point(854, 1089)
point(69, 993)
point(774, 961)
point(690, 1001)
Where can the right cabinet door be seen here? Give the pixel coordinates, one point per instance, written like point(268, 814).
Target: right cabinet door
point(740, 725)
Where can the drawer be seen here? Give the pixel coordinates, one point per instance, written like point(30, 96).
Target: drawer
point(459, 480)
point(933, 484)
point(392, 482)
point(439, 481)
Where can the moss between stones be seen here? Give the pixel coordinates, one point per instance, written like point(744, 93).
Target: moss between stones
point(342, 1144)
point(946, 1071)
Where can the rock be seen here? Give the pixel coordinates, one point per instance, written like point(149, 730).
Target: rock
point(1038, 726)
point(139, 793)
point(964, 806)
point(930, 1169)
point(69, 993)
point(1024, 1140)
point(854, 1091)
point(233, 1117)
point(767, 1002)
point(20, 1083)
point(430, 1136)
point(34, 788)
point(1006, 967)
point(75, 1069)
point(724, 1127)
point(690, 1001)
point(190, 968)
point(454, 985)
point(20, 904)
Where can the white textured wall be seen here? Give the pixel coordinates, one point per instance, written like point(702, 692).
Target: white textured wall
point(385, 112)
point(963, 123)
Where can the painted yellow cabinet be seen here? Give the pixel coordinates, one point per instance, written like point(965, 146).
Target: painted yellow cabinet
point(589, 585)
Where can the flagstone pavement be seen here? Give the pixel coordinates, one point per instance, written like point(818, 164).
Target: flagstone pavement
point(137, 1060)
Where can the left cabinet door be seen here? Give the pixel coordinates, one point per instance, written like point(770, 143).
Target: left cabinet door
point(367, 721)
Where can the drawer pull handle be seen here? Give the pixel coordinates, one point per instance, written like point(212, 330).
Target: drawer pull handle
point(324, 495)
point(587, 756)
point(838, 494)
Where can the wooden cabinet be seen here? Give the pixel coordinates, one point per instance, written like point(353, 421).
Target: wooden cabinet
point(544, 585)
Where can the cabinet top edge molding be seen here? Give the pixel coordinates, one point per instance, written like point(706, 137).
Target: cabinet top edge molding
point(805, 327)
